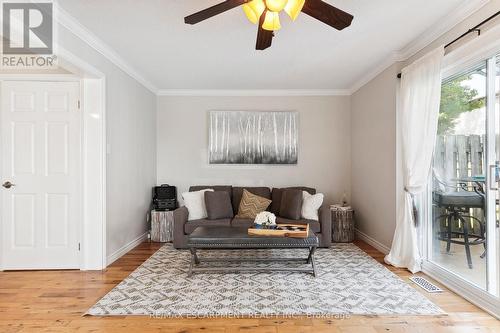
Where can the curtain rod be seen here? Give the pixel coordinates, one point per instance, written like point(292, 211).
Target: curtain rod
point(474, 29)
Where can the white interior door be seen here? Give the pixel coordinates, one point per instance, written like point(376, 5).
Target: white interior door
point(40, 150)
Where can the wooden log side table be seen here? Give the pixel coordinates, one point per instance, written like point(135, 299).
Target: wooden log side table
point(342, 225)
point(162, 226)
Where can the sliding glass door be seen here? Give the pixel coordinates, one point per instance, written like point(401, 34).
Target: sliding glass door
point(463, 198)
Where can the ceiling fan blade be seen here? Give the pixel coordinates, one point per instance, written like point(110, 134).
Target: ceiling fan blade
point(212, 11)
point(328, 14)
point(264, 37)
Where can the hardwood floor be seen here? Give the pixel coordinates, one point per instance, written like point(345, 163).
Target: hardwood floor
point(54, 301)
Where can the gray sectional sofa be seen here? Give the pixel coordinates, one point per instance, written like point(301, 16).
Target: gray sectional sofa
point(183, 227)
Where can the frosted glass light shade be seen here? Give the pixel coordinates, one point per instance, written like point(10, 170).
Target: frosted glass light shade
point(294, 7)
point(254, 9)
point(276, 5)
point(271, 21)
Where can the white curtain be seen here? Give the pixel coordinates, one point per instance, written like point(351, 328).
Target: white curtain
point(419, 101)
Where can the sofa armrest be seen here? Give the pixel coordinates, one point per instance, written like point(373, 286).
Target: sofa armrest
point(180, 218)
point(325, 221)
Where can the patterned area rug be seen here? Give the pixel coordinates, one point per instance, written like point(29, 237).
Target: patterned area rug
point(348, 282)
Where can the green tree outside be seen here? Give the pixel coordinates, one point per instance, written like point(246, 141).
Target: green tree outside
point(456, 99)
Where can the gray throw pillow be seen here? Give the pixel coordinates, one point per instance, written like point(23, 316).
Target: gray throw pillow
point(291, 204)
point(218, 205)
point(276, 195)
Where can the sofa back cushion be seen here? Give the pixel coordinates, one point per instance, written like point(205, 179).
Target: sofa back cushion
point(218, 205)
point(276, 201)
point(278, 192)
point(264, 192)
point(291, 204)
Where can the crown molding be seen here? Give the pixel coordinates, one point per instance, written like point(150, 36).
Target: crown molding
point(442, 27)
point(425, 39)
point(70, 23)
point(254, 92)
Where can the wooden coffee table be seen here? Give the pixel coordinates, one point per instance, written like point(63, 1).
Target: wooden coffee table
point(231, 238)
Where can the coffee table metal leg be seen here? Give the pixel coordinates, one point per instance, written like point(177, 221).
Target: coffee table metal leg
point(311, 254)
point(195, 255)
point(194, 261)
point(310, 260)
point(190, 271)
point(313, 267)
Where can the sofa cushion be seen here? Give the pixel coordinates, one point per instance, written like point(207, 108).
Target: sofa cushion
point(277, 193)
point(218, 205)
point(217, 188)
point(251, 205)
point(264, 192)
point(276, 201)
point(238, 222)
point(195, 203)
point(291, 204)
point(313, 225)
point(189, 226)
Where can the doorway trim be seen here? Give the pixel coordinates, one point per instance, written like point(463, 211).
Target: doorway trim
point(92, 229)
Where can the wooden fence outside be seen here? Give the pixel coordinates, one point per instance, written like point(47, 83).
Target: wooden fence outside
point(459, 156)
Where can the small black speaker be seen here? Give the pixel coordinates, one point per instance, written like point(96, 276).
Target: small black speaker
point(164, 197)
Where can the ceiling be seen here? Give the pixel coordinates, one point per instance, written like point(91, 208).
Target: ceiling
point(150, 35)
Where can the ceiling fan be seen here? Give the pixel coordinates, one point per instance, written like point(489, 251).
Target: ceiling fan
point(265, 13)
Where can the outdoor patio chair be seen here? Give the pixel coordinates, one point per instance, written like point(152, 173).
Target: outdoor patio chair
point(457, 200)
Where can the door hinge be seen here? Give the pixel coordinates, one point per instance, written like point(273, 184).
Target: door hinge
point(78, 246)
point(78, 105)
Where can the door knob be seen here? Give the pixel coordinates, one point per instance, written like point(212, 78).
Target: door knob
point(8, 184)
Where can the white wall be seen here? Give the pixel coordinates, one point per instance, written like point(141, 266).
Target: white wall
point(131, 138)
point(374, 156)
point(324, 144)
point(376, 177)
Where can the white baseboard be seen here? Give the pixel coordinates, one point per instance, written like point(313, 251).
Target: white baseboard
point(372, 241)
point(125, 248)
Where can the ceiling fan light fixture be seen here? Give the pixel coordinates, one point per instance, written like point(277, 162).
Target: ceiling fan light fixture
point(265, 14)
point(271, 21)
point(276, 5)
point(254, 9)
point(294, 7)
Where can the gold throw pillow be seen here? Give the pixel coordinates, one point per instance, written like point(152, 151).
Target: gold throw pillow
point(251, 205)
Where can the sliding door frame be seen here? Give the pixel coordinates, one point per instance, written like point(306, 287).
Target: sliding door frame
point(492, 262)
point(485, 48)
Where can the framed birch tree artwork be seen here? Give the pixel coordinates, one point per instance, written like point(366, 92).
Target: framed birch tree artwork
point(253, 137)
